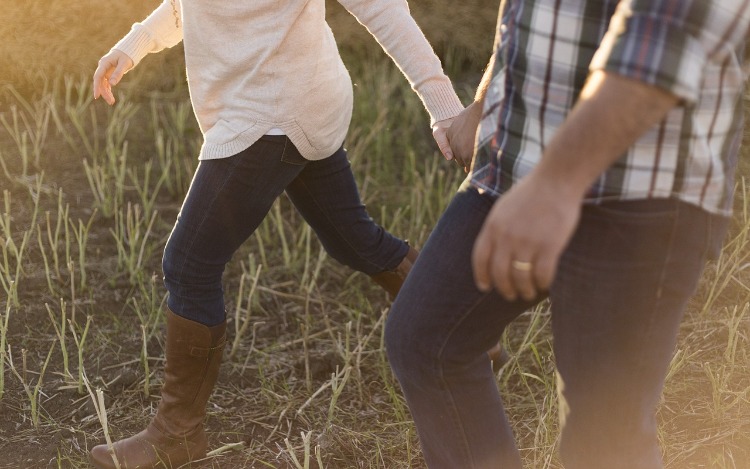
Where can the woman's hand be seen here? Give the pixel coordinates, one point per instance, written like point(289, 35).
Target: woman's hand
point(112, 67)
point(440, 134)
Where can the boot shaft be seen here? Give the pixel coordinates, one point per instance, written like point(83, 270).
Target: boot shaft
point(175, 435)
point(392, 280)
point(193, 357)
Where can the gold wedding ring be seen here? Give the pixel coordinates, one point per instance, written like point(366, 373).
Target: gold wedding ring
point(522, 266)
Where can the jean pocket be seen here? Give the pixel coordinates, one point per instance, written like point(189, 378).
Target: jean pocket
point(291, 155)
point(627, 233)
point(645, 209)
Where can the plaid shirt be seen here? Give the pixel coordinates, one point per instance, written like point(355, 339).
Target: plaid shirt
point(694, 49)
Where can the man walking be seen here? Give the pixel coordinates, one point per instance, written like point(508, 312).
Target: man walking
point(607, 134)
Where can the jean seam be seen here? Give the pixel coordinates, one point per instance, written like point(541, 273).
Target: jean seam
point(669, 254)
point(285, 159)
point(234, 164)
point(444, 382)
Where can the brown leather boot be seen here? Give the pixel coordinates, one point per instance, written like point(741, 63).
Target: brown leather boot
point(498, 357)
point(391, 280)
point(175, 436)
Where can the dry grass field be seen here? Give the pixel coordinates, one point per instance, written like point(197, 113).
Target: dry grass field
point(89, 193)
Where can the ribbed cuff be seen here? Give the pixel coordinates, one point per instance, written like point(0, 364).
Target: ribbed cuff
point(136, 44)
point(440, 99)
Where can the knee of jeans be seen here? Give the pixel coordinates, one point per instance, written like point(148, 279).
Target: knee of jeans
point(171, 276)
point(597, 432)
point(410, 358)
point(597, 447)
point(169, 268)
point(184, 276)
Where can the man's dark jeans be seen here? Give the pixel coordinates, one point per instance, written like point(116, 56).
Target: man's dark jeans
point(617, 301)
point(228, 199)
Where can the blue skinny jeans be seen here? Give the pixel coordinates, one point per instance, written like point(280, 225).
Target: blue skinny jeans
point(617, 300)
point(229, 197)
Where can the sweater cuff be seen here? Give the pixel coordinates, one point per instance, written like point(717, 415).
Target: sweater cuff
point(136, 44)
point(441, 100)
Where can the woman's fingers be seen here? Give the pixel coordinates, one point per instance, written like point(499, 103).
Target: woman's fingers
point(110, 70)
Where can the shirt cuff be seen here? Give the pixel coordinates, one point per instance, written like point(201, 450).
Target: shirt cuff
point(655, 51)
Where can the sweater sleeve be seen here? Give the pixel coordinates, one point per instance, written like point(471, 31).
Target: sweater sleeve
point(160, 30)
point(392, 25)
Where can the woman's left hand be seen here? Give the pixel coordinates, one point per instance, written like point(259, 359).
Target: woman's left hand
point(440, 134)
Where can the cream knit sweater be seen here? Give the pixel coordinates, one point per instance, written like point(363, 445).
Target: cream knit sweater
point(262, 64)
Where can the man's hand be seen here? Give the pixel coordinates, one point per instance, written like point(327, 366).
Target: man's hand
point(462, 134)
point(520, 244)
point(522, 238)
point(109, 72)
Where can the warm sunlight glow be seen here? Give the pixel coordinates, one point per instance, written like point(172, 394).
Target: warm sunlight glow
point(42, 37)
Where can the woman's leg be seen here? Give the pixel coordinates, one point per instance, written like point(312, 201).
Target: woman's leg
point(227, 200)
point(327, 197)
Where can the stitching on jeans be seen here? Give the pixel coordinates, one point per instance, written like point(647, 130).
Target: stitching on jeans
point(293, 154)
point(669, 255)
point(452, 407)
point(234, 163)
point(441, 373)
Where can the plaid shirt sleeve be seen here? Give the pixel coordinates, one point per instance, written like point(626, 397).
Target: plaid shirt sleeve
point(669, 43)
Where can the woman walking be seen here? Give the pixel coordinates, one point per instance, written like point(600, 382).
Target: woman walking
point(273, 101)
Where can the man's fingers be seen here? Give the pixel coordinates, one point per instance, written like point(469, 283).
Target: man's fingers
point(501, 275)
point(480, 261)
point(491, 266)
point(545, 268)
point(523, 277)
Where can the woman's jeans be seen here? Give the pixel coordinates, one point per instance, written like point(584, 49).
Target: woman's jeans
point(228, 199)
point(617, 300)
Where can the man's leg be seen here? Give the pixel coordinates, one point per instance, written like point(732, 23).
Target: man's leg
point(617, 301)
point(437, 335)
